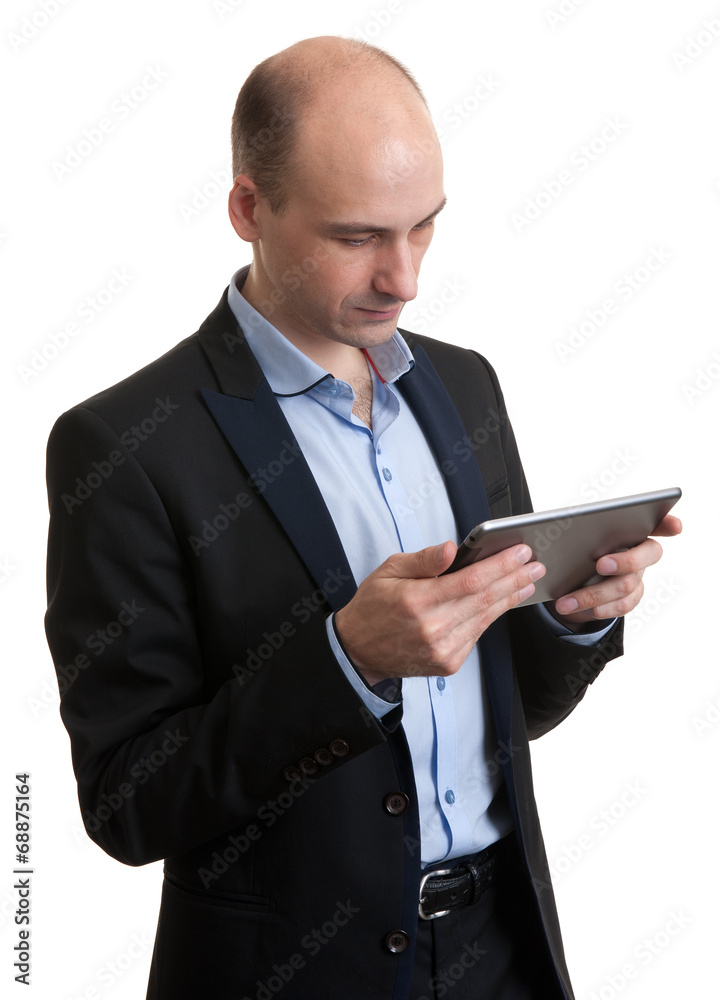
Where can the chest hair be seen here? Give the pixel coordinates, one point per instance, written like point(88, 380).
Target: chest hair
point(363, 389)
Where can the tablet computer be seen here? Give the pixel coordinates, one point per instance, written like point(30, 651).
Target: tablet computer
point(570, 540)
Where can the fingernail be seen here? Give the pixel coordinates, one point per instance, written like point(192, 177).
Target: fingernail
point(523, 554)
point(439, 554)
point(607, 566)
point(537, 571)
point(566, 606)
point(527, 591)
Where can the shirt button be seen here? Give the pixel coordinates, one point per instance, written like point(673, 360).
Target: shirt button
point(379, 450)
point(397, 942)
point(441, 683)
point(387, 474)
point(449, 796)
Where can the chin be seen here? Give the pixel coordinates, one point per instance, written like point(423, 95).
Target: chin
point(375, 332)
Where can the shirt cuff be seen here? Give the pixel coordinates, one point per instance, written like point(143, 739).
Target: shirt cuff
point(374, 702)
point(576, 638)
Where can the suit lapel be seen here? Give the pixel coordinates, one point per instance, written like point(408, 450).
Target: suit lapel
point(440, 421)
point(251, 419)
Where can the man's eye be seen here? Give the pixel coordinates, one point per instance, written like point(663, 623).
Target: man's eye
point(357, 243)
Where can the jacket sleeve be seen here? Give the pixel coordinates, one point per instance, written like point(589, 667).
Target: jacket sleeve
point(164, 759)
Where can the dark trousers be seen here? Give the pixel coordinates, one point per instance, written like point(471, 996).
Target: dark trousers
point(494, 949)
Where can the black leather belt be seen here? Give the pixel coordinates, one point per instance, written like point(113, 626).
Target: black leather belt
point(449, 888)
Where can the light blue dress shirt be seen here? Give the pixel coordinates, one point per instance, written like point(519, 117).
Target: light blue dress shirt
point(385, 494)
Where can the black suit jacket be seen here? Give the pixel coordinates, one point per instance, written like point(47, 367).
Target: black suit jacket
point(192, 563)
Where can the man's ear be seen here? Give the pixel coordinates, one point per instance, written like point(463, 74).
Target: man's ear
point(242, 208)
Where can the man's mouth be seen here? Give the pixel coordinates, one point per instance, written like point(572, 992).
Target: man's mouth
point(380, 314)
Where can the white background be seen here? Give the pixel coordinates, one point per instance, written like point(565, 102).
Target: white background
point(615, 408)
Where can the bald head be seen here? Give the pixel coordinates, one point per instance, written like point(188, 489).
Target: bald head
point(320, 91)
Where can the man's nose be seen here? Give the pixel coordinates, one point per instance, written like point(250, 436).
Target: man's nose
point(396, 273)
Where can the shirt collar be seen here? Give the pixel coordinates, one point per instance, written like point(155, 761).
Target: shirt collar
point(290, 372)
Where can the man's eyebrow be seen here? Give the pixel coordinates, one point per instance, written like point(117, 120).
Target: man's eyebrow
point(354, 228)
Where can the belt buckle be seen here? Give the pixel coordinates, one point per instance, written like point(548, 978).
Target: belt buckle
point(423, 880)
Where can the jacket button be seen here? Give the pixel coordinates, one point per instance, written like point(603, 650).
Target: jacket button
point(396, 803)
point(307, 765)
point(397, 942)
point(339, 748)
point(292, 774)
point(323, 756)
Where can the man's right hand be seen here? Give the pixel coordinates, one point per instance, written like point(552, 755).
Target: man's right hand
point(407, 620)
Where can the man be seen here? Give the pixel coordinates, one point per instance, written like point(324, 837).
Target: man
point(283, 697)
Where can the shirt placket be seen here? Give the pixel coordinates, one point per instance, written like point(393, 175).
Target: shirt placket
point(439, 689)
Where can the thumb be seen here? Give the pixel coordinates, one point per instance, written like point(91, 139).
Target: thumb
point(425, 563)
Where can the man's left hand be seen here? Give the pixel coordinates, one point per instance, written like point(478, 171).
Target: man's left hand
point(622, 589)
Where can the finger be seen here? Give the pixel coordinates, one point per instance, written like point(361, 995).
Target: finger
point(485, 590)
point(483, 573)
point(670, 525)
point(423, 564)
point(491, 586)
point(610, 598)
point(633, 560)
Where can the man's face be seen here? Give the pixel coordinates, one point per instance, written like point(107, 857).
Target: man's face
point(343, 257)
